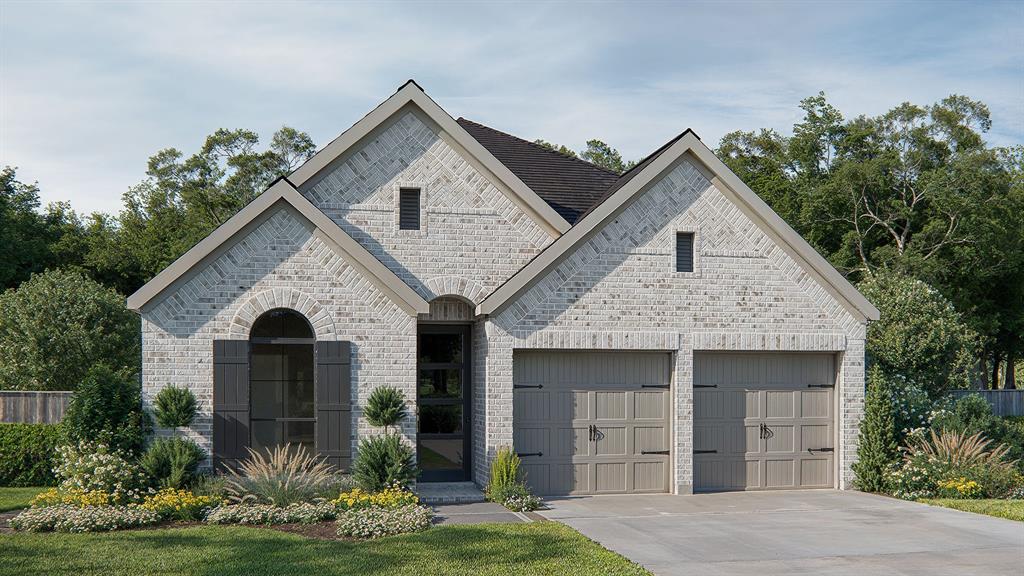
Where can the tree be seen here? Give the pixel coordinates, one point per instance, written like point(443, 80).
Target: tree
point(556, 148)
point(108, 408)
point(603, 155)
point(877, 448)
point(57, 325)
point(24, 232)
point(920, 338)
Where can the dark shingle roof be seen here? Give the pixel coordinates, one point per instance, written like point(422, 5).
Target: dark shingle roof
point(570, 185)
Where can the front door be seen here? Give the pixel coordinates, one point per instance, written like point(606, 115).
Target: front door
point(443, 445)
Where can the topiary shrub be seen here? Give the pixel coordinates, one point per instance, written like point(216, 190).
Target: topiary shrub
point(383, 462)
point(59, 324)
point(385, 407)
point(172, 462)
point(878, 447)
point(174, 407)
point(28, 453)
point(108, 408)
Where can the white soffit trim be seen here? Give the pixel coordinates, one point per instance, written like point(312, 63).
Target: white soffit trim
point(282, 190)
point(410, 92)
point(770, 222)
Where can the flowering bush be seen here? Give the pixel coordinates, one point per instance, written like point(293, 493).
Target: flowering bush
point(90, 467)
point(958, 488)
point(67, 518)
point(265, 514)
point(377, 521)
point(178, 504)
point(73, 497)
point(393, 497)
point(524, 502)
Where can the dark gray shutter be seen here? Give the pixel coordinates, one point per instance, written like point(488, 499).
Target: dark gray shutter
point(334, 403)
point(230, 403)
point(684, 252)
point(409, 209)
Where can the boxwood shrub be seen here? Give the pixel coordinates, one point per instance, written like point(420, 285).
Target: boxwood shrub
point(27, 453)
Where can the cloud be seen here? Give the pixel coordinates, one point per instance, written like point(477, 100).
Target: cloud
point(89, 91)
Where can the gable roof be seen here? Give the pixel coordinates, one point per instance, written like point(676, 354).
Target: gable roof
point(282, 191)
point(635, 181)
point(411, 94)
point(570, 185)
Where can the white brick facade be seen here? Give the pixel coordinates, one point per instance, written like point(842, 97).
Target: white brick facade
point(616, 290)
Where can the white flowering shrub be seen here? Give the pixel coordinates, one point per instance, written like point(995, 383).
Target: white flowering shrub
point(266, 514)
point(377, 522)
point(67, 518)
point(522, 502)
point(90, 467)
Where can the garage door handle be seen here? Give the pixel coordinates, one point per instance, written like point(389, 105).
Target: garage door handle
point(524, 454)
point(659, 452)
point(705, 451)
point(821, 449)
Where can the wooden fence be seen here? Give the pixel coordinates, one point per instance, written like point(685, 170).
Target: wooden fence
point(1003, 402)
point(33, 407)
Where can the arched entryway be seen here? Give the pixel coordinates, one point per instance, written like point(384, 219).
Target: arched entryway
point(281, 381)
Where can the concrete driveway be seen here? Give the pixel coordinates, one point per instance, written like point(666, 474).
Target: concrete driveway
point(795, 532)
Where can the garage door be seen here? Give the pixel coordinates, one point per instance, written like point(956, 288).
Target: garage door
point(592, 422)
point(763, 421)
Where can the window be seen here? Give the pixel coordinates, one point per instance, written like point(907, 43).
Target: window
point(409, 209)
point(684, 252)
point(281, 400)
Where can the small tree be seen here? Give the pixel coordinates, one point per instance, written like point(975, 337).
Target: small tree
point(878, 445)
point(108, 408)
point(174, 407)
point(385, 407)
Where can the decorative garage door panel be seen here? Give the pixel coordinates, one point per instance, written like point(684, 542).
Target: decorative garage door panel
point(592, 422)
point(763, 421)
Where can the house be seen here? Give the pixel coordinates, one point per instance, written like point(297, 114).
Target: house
point(660, 330)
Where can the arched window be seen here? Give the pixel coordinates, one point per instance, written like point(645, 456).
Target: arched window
point(282, 406)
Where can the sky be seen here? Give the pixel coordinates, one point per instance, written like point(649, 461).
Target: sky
point(88, 91)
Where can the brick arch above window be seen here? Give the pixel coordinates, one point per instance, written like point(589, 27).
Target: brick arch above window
point(256, 304)
point(455, 286)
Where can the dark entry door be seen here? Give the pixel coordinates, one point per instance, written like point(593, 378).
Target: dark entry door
point(443, 439)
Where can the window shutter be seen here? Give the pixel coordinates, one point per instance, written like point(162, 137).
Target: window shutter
point(409, 209)
point(684, 252)
point(230, 403)
point(334, 403)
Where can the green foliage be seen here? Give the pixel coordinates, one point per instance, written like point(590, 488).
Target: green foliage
point(972, 414)
point(383, 462)
point(172, 462)
point(28, 453)
point(878, 448)
point(603, 155)
point(108, 408)
point(385, 407)
point(95, 467)
point(174, 407)
point(561, 149)
point(920, 337)
point(57, 325)
point(507, 485)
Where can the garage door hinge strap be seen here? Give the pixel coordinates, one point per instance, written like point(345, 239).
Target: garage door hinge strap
point(522, 454)
point(821, 449)
point(705, 451)
point(705, 385)
point(661, 452)
point(665, 386)
point(528, 386)
point(821, 385)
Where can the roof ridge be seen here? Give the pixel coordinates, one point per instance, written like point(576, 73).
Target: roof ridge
point(539, 147)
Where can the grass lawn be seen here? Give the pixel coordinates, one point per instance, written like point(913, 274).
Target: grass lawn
point(15, 498)
point(478, 550)
point(1011, 509)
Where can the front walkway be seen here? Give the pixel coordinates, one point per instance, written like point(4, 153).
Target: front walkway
point(477, 513)
point(795, 532)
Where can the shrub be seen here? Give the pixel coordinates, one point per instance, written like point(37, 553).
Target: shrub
point(178, 504)
point(385, 407)
point(27, 454)
point(920, 336)
point(266, 514)
point(73, 497)
point(958, 488)
point(88, 467)
point(376, 521)
point(877, 448)
point(174, 407)
point(285, 476)
point(507, 485)
point(108, 408)
point(57, 325)
point(383, 462)
point(172, 462)
point(972, 414)
point(64, 518)
point(388, 498)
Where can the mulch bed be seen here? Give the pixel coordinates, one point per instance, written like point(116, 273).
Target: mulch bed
point(319, 531)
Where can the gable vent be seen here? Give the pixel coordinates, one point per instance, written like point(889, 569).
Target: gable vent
point(684, 252)
point(409, 209)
